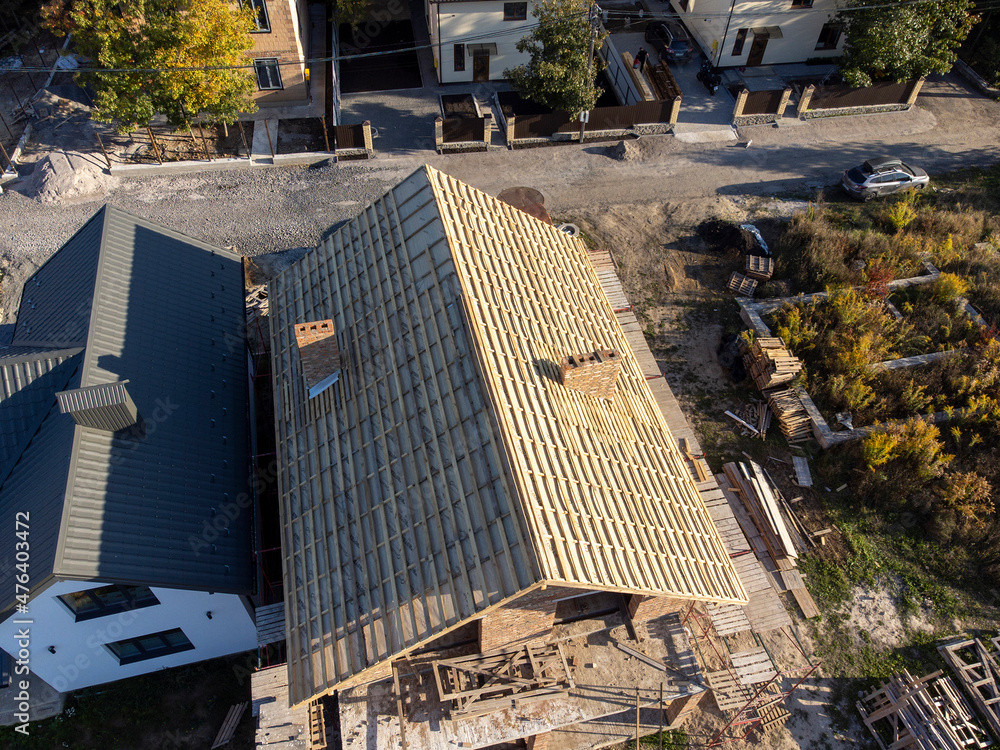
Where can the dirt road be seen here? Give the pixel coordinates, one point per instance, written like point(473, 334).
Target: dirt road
point(264, 210)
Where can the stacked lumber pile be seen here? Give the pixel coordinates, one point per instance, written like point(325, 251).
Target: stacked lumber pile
point(770, 364)
point(755, 493)
point(927, 713)
point(759, 267)
point(792, 416)
point(741, 284)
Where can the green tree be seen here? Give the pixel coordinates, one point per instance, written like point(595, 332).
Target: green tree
point(558, 74)
point(901, 40)
point(171, 57)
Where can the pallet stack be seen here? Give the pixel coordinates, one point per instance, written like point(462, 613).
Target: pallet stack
point(792, 416)
point(754, 491)
point(759, 267)
point(927, 713)
point(770, 364)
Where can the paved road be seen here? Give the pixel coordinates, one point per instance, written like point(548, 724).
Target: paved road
point(264, 210)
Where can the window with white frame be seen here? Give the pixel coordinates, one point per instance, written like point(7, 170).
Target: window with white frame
point(260, 14)
point(268, 73)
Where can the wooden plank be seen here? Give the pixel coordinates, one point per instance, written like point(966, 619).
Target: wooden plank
point(805, 601)
point(803, 478)
point(229, 725)
point(753, 666)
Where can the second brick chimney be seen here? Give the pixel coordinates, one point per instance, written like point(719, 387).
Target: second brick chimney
point(319, 353)
point(592, 373)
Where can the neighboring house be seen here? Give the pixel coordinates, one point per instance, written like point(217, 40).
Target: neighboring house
point(762, 32)
point(449, 463)
point(475, 40)
point(279, 51)
point(124, 457)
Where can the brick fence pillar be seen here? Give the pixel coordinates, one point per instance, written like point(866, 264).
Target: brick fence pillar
point(917, 85)
point(510, 131)
point(366, 129)
point(487, 129)
point(785, 96)
point(805, 99)
point(741, 100)
point(438, 134)
point(675, 110)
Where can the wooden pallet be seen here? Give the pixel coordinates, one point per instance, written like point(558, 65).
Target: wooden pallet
point(925, 713)
point(741, 284)
point(753, 666)
point(759, 267)
point(228, 729)
point(979, 672)
point(793, 419)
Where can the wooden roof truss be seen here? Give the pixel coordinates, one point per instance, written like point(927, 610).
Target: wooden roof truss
point(925, 713)
point(978, 671)
point(484, 683)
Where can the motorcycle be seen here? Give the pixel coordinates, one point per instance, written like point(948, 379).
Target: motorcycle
point(710, 77)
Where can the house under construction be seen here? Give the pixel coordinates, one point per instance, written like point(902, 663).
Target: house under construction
point(490, 535)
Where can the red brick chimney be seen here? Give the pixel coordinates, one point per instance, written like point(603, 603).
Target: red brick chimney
point(319, 353)
point(593, 373)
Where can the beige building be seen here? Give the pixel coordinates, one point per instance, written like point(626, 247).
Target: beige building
point(763, 32)
point(279, 51)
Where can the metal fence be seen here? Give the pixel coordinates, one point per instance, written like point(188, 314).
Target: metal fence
point(839, 96)
point(762, 102)
point(462, 129)
point(601, 118)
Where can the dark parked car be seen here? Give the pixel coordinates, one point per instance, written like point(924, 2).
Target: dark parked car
point(882, 176)
point(670, 40)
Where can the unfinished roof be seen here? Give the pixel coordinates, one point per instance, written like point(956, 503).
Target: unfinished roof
point(165, 313)
point(449, 468)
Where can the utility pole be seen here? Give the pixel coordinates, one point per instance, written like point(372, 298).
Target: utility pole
point(593, 18)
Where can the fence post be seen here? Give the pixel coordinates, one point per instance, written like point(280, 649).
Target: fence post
point(805, 99)
point(156, 149)
point(741, 100)
point(917, 85)
point(103, 151)
point(675, 110)
point(510, 131)
point(366, 129)
point(785, 96)
point(438, 134)
point(326, 135)
point(487, 129)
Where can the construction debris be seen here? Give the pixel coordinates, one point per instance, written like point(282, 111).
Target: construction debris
point(925, 713)
point(483, 683)
point(755, 417)
point(978, 671)
point(741, 284)
point(802, 476)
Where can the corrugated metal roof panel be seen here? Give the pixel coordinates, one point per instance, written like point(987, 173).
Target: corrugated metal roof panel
point(29, 380)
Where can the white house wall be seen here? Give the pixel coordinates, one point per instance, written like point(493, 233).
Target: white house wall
point(707, 20)
point(476, 23)
point(81, 659)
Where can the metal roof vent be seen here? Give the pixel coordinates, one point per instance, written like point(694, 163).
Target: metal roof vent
point(321, 361)
point(105, 407)
point(593, 373)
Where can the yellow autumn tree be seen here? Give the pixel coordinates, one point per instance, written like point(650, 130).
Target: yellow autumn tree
point(170, 57)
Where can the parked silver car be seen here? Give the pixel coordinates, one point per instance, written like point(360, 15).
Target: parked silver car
point(881, 177)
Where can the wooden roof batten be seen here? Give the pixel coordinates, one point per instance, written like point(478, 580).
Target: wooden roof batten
point(449, 470)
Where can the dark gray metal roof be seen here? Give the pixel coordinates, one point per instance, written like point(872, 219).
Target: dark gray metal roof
point(56, 300)
point(165, 312)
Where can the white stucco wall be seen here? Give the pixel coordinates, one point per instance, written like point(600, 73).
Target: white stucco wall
point(707, 21)
point(482, 20)
point(81, 658)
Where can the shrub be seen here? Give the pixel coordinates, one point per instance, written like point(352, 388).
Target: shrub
point(948, 288)
point(900, 214)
